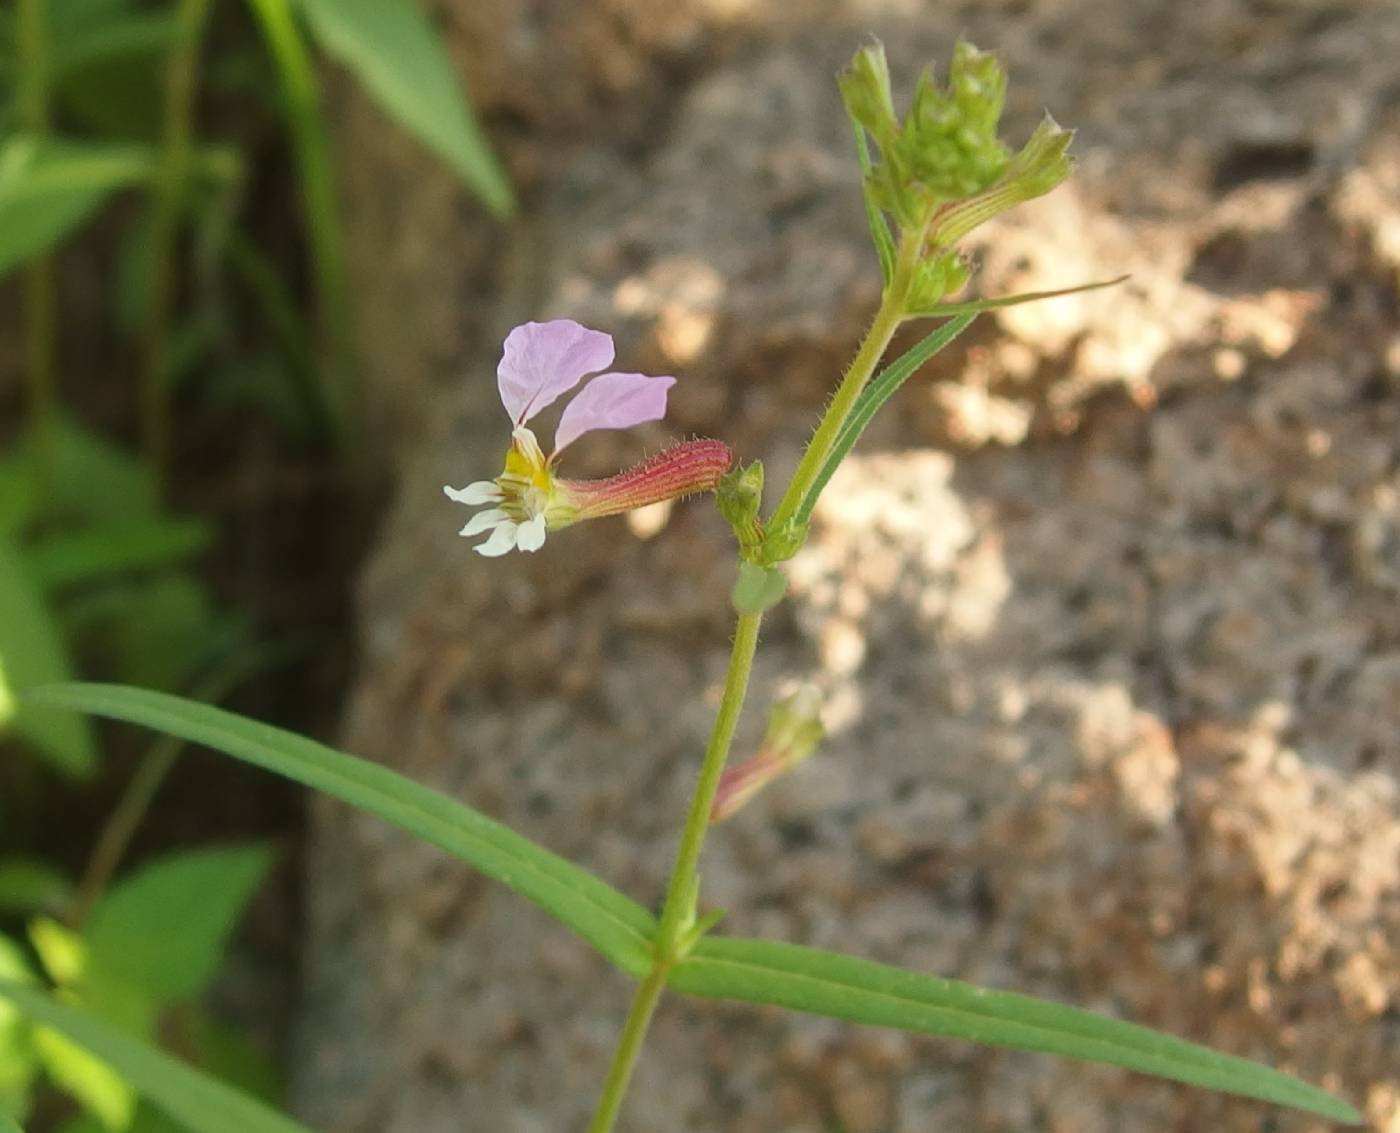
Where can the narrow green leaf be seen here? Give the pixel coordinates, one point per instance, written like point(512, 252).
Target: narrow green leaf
point(976, 306)
point(393, 50)
point(164, 928)
point(874, 215)
point(844, 987)
point(31, 653)
point(81, 556)
point(618, 927)
point(49, 187)
point(204, 1104)
point(879, 391)
point(19, 1064)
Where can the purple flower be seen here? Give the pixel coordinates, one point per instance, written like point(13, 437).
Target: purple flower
point(542, 362)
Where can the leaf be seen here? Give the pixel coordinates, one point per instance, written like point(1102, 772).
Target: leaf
point(121, 34)
point(65, 560)
point(8, 1125)
point(31, 652)
point(164, 928)
point(18, 1063)
point(976, 306)
point(203, 1104)
point(757, 588)
point(96, 1085)
point(860, 991)
point(32, 884)
point(93, 479)
point(157, 631)
point(874, 215)
point(879, 391)
point(618, 927)
point(393, 50)
point(49, 187)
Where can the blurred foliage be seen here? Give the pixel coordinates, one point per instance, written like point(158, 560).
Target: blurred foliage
point(137, 130)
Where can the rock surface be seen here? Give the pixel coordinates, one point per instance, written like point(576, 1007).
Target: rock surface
point(1105, 611)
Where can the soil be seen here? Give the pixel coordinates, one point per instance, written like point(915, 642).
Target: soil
point(1104, 611)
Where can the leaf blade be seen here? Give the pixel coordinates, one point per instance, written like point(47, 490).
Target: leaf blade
point(862, 991)
point(614, 924)
point(32, 652)
point(204, 1104)
point(49, 187)
point(392, 49)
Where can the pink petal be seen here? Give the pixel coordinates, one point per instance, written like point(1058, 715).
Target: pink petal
point(543, 360)
point(612, 401)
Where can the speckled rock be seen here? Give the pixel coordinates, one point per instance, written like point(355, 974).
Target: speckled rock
point(1105, 611)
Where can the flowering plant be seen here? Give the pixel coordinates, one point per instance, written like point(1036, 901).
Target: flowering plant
point(932, 176)
point(542, 362)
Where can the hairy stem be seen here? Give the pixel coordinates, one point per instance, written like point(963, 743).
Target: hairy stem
point(678, 913)
point(872, 348)
point(40, 299)
point(182, 80)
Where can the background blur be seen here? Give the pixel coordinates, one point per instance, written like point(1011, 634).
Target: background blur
point(1105, 613)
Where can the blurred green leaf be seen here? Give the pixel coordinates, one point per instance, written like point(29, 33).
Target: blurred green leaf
point(49, 187)
point(97, 552)
point(392, 48)
point(17, 495)
point(202, 1103)
point(32, 652)
point(860, 991)
point(164, 928)
point(9, 1125)
point(30, 885)
point(76, 1071)
point(234, 1058)
point(95, 480)
point(18, 1061)
point(158, 632)
point(121, 35)
point(618, 927)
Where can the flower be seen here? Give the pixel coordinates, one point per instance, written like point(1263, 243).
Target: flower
point(540, 363)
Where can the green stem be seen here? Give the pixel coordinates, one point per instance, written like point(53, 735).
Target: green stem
point(678, 913)
point(892, 310)
point(634, 1030)
point(182, 80)
point(40, 293)
point(320, 208)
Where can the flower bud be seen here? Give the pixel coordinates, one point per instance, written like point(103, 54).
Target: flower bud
point(794, 730)
point(739, 498)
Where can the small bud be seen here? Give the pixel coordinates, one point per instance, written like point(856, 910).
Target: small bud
point(781, 543)
point(1042, 164)
point(944, 273)
point(794, 731)
point(865, 89)
point(739, 498)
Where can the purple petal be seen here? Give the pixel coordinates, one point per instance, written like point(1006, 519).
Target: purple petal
point(543, 360)
point(612, 401)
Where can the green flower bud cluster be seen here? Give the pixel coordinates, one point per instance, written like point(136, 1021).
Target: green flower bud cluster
point(942, 170)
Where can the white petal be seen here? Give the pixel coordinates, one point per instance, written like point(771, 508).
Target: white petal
point(480, 492)
point(530, 537)
point(501, 541)
point(482, 520)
